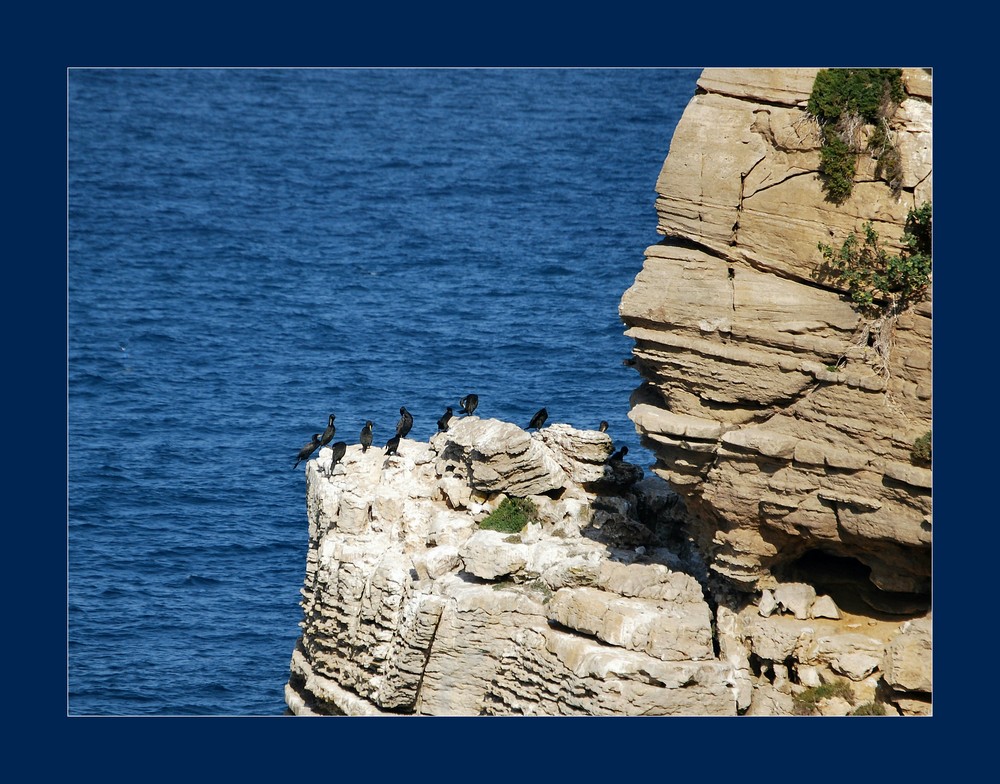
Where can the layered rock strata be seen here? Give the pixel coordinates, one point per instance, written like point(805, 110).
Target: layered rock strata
point(410, 607)
point(766, 407)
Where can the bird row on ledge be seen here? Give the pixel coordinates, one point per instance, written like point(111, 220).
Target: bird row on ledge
point(467, 405)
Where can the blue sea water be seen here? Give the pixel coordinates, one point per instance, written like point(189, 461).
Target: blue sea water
point(253, 249)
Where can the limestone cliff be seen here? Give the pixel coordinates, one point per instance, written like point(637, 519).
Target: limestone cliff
point(411, 607)
point(765, 406)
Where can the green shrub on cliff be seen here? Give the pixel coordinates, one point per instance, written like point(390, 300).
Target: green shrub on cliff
point(511, 515)
point(876, 282)
point(844, 101)
point(921, 452)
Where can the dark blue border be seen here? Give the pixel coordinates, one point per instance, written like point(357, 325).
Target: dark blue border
point(536, 35)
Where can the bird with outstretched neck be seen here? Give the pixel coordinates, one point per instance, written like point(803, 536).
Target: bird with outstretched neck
point(366, 436)
point(307, 450)
point(405, 422)
point(327, 436)
point(444, 420)
point(538, 419)
point(468, 404)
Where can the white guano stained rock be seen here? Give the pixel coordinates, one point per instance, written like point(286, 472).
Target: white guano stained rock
point(410, 608)
point(496, 456)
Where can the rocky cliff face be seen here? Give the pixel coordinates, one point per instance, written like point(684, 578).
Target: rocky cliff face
point(598, 607)
point(411, 607)
point(766, 407)
point(778, 559)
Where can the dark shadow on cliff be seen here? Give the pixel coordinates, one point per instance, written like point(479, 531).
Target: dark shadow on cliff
point(643, 521)
point(846, 581)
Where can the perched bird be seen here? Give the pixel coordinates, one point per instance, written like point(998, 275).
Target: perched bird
point(618, 456)
point(307, 450)
point(468, 404)
point(392, 445)
point(339, 449)
point(603, 427)
point(445, 418)
point(327, 436)
point(405, 422)
point(366, 436)
point(538, 419)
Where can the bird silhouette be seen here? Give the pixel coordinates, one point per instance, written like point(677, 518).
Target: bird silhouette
point(327, 436)
point(307, 450)
point(392, 445)
point(468, 404)
point(618, 456)
point(445, 418)
point(603, 427)
point(366, 436)
point(405, 422)
point(538, 419)
point(339, 449)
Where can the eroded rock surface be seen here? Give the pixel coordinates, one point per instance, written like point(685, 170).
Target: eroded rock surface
point(600, 607)
point(766, 408)
point(410, 607)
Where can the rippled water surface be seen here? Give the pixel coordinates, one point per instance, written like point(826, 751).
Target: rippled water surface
point(251, 250)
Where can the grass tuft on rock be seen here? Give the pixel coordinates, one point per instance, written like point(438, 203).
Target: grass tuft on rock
point(511, 516)
point(869, 709)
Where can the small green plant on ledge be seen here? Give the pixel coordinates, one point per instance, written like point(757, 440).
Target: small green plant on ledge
point(844, 101)
point(807, 702)
point(921, 452)
point(511, 515)
point(879, 285)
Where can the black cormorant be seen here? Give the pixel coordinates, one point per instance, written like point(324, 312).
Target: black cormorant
point(468, 404)
point(405, 422)
point(538, 419)
point(339, 449)
point(618, 456)
point(327, 436)
point(366, 436)
point(392, 445)
point(445, 418)
point(307, 450)
point(603, 427)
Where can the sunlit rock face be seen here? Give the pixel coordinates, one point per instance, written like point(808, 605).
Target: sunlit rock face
point(766, 408)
